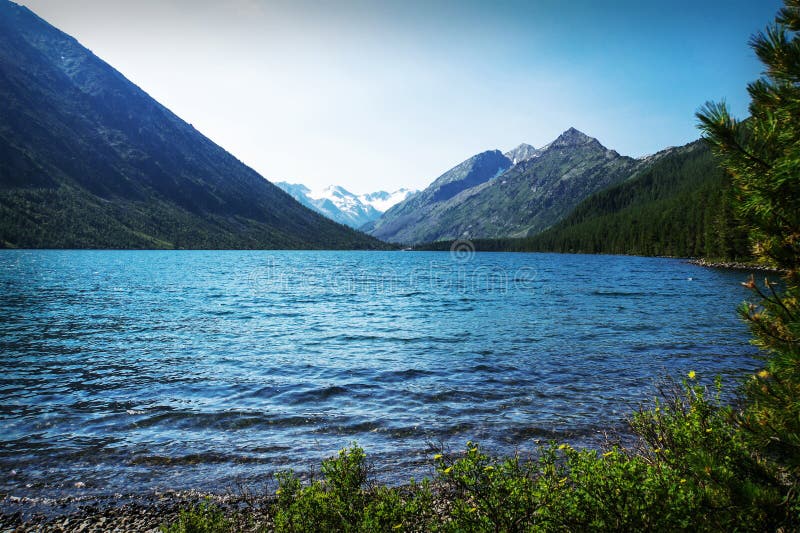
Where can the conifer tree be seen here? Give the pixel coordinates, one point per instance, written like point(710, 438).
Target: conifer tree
point(762, 154)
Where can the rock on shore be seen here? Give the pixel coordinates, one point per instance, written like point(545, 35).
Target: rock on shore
point(735, 265)
point(125, 513)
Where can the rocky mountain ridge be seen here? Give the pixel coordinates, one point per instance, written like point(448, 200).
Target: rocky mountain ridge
point(515, 194)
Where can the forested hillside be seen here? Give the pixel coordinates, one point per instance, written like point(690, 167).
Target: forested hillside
point(679, 205)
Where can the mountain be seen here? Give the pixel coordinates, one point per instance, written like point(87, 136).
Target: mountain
point(521, 153)
point(490, 196)
point(89, 160)
point(407, 221)
point(678, 203)
point(339, 204)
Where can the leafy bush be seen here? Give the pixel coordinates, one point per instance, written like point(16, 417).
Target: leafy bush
point(484, 492)
point(699, 437)
point(345, 500)
point(202, 518)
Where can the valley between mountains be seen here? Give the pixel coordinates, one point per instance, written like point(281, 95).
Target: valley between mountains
point(91, 161)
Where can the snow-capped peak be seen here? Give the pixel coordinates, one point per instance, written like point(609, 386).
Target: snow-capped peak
point(341, 205)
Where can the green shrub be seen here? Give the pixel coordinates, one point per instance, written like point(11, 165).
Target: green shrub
point(345, 500)
point(614, 491)
point(485, 493)
point(564, 490)
point(401, 509)
point(202, 518)
point(700, 438)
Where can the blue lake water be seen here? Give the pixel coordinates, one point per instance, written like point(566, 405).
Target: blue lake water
point(128, 371)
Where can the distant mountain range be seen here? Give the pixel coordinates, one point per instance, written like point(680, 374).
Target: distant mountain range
point(89, 160)
point(515, 194)
point(339, 204)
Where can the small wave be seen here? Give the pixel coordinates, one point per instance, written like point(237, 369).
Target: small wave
point(404, 432)
point(459, 429)
point(461, 395)
point(410, 294)
point(633, 328)
point(357, 428)
point(619, 293)
point(403, 375)
point(494, 369)
point(350, 337)
point(220, 420)
point(538, 433)
point(195, 459)
point(316, 395)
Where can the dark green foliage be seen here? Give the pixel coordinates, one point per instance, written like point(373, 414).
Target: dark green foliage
point(773, 416)
point(676, 207)
point(91, 161)
point(203, 518)
point(344, 500)
point(762, 156)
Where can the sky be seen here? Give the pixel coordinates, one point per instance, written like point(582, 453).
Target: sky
point(379, 95)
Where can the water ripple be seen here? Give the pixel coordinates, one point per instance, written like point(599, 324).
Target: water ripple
point(138, 370)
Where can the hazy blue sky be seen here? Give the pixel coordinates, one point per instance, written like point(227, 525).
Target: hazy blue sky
point(379, 95)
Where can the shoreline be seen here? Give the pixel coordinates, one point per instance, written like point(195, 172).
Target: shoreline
point(734, 265)
point(131, 512)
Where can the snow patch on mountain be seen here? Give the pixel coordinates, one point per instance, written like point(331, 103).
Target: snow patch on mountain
point(383, 200)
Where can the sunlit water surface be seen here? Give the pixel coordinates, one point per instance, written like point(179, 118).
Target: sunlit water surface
point(128, 371)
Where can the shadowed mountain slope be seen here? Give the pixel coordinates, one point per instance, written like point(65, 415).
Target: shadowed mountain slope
point(91, 161)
